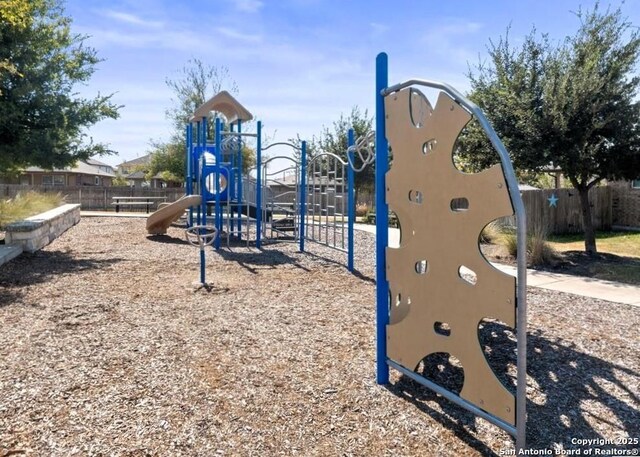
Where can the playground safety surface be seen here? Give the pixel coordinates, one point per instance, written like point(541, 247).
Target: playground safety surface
point(107, 349)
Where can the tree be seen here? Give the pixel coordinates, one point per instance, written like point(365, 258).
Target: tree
point(573, 106)
point(120, 181)
point(167, 160)
point(334, 140)
point(197, 83)
point(41, 61)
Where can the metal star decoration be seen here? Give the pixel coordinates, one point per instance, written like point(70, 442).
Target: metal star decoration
point(553, 200)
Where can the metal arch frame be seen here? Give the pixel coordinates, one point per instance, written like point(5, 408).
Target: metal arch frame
point(265, 205)
point(382, 293)
point(316, 173)
point(282, 143)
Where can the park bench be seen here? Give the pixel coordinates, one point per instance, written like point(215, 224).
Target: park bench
point(146, 202)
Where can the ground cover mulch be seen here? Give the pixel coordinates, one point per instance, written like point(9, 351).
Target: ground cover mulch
point(106, 348)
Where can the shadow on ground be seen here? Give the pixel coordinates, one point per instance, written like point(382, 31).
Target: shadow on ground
point(571, 394)
point(42, 266)
point(166, 239)
point(254, 261)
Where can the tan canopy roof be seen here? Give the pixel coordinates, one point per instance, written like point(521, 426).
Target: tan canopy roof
point(223, 103)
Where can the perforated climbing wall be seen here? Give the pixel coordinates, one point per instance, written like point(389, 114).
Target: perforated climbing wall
point(435, 307)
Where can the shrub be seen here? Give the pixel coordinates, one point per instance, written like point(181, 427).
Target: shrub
point(362, 209)
point(492, 233)
point(539, 251)
point(27, 204)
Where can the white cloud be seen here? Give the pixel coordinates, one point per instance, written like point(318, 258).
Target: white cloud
point(237, 35)
point(131, 19)
point(444, 39)
point(184, 40)
point(248, 6)
point(379, 29)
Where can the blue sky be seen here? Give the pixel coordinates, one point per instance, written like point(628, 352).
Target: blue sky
point(298, 64)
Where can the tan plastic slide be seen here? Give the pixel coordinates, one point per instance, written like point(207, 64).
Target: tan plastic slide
point(160, 220)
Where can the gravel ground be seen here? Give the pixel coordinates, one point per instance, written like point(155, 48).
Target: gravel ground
point(107, 348)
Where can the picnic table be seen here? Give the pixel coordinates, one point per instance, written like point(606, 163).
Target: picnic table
point(147, 202)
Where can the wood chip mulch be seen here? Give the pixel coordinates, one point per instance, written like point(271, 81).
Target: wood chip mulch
point(107, 348)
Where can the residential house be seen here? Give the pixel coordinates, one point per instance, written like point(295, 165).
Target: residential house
point(137, 164)
point(134, 171)
point(137, 179)
point(101, 166)
point(82, 174)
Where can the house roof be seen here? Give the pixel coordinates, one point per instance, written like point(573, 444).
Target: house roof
point(135, 175)
point(81, 168)
point(145, 159)
point(526, 187)
point(224, 103)
point(92, 161)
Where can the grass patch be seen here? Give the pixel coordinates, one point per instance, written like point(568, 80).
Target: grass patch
point(27, 204)
point(619, 243)
point(625, 272)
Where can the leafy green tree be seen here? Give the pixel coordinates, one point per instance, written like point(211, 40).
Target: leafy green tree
point(334, 140)
point(196, 84)
point(41, 62)
point(120, 181)
point(574, 106)
point(15, 14)
point(167, 160)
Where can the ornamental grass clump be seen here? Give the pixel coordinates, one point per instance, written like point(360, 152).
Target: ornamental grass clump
point(26, 204)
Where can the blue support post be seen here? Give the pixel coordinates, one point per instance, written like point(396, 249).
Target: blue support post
point(259, 184)
point(303, 192)
point(203, 178)
point(382, 223)
point(351, 204)
point(189, 165)
point(218, 217)
point(202, 138)
point(239, 194)
point(200, 149)
point(232, 187)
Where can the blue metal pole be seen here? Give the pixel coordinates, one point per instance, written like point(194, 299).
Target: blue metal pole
point(258, 184)
point(203, 179)
point(218, 218)
point(303, 191)
point(189, 165)
point(239, 163)
point(382, 223)
point(351, 204)
point(231, 187)
point(199, 166)
point(203, 201)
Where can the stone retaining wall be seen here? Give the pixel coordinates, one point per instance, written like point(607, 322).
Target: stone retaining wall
point(37, 231)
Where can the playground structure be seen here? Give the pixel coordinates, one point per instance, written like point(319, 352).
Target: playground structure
point(317, 205)
point(425, 304)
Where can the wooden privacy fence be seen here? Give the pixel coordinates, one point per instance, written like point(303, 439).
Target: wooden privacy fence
point(94, 198)
point(566, 215)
